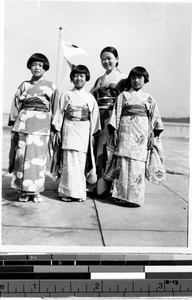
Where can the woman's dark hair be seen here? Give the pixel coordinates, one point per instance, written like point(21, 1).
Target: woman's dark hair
point(82, 70)
point(138, 71)
point(112, 50)
point(38, 57)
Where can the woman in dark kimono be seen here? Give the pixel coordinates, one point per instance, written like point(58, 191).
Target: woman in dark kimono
point(103, 92)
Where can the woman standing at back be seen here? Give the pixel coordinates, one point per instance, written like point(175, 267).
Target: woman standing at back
point(103, 92)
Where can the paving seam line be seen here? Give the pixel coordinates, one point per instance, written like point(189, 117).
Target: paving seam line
point(175, 193)
point(100, 229)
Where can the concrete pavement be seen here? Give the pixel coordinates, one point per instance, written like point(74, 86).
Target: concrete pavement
point(161, 222)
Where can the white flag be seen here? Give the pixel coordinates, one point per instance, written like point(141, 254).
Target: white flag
point(71, 50)
point(69, 68)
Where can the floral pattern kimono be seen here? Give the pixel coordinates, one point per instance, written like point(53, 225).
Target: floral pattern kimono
point(80, 121)
point(34, 105)
point(135, 117)
point(106, 102)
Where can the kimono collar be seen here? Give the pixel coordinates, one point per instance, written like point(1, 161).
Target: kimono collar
point(139, 92)
point(115, 70)
point(39, 80)
point(81, 91)
point(112, 77)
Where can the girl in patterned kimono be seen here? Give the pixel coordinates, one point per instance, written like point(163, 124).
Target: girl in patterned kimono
point(34, 105)
point(134, 127)
point(80, 122)
point(103, 92)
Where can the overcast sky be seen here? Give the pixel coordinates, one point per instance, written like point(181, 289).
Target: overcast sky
point(155, 35)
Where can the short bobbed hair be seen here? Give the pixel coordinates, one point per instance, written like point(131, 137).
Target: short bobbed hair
point(82, 70)
point(139, 71)
point(38, 57)
point(112, 50)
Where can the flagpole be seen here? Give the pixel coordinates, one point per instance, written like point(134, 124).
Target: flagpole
point(57, 70)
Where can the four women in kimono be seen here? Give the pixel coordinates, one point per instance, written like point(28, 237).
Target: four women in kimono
point(31, 117)
point(130, 126)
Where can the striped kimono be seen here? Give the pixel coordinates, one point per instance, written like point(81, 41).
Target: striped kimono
point(34, 105)
point(105, 101)
point(130, 122)
point(80, 121)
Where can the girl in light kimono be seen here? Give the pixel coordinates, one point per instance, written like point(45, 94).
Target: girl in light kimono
point(135, 128)
point(33, 108)
point(80, 122)
point(103, 92)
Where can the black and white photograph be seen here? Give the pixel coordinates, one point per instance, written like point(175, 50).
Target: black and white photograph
point(96, 125)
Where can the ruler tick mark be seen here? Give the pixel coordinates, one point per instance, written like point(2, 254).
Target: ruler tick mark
point(133, 286)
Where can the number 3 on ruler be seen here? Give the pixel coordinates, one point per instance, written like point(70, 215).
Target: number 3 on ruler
point(160, 285)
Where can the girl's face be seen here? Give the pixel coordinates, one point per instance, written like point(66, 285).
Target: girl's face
point(108, 61)
point(79, 80)
point(137, 82)
point(37, 69)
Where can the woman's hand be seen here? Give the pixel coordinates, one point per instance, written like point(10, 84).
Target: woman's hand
point(150, 141)
point(52, 134)
point(58, 138)
point(115, 138)
point(111, 86)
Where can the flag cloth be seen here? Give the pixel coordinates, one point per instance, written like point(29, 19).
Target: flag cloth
point(71, 66)
point(71, 50)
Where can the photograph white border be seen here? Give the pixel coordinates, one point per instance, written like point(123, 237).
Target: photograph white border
point(113, 250)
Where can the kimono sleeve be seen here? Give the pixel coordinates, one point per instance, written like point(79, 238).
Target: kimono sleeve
point(58, 116)
point(54, 101)
point(95, 87)
point(157, 124)
point(96, 125)
point(116, 114)
point(16, 105)
point(121, 86)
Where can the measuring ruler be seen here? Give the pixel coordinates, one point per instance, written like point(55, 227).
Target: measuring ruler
point(95, 275)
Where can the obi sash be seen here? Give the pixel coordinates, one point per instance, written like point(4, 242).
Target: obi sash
point(35, 103)
point(76, 113)
point(104, 97)
point(134, 110)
